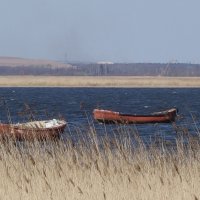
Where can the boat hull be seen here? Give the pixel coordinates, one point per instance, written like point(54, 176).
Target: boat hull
point(107, 116)
point(20, 133)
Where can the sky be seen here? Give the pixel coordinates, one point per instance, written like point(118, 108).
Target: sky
point(158, 31)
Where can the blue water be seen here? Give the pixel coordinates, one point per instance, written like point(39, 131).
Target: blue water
point(76, 105)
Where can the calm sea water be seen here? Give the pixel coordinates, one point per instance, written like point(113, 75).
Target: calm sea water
point(76, 105)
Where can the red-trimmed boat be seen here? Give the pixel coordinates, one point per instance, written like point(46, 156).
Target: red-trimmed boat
point(39, 130)
point(108, 116)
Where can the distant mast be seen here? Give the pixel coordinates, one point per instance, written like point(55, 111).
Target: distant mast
point(66, 58)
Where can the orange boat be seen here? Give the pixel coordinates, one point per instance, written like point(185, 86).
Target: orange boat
point(107, 116)
point(33, 130)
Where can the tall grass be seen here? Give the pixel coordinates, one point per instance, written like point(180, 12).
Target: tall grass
point(100, 168)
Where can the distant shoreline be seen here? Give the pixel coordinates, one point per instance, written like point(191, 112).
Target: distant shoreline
point(100, 81)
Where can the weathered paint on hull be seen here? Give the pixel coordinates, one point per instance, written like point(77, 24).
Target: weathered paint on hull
point(107, 116)
point(10, 131)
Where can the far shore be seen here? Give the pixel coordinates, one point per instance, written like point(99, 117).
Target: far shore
point(100, 81)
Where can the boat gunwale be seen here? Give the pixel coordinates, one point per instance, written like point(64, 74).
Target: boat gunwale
point(39, 129)
point(21, 127)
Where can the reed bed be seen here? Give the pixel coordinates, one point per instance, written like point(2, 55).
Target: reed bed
point(100, 168)
point(98, 81)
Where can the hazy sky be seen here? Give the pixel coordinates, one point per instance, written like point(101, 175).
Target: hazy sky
point(97, 30)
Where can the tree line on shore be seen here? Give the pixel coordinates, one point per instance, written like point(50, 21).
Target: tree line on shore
point(115, 69)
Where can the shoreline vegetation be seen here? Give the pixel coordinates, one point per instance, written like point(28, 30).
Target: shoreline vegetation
point(100, 169)
point(100, 81)
point(37, 67)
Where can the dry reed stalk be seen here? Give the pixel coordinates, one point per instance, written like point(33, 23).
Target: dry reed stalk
point(102, 169)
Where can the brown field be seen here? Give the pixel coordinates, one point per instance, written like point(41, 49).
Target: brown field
point(112, 171)
point(102, 81)
point(15, 62)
